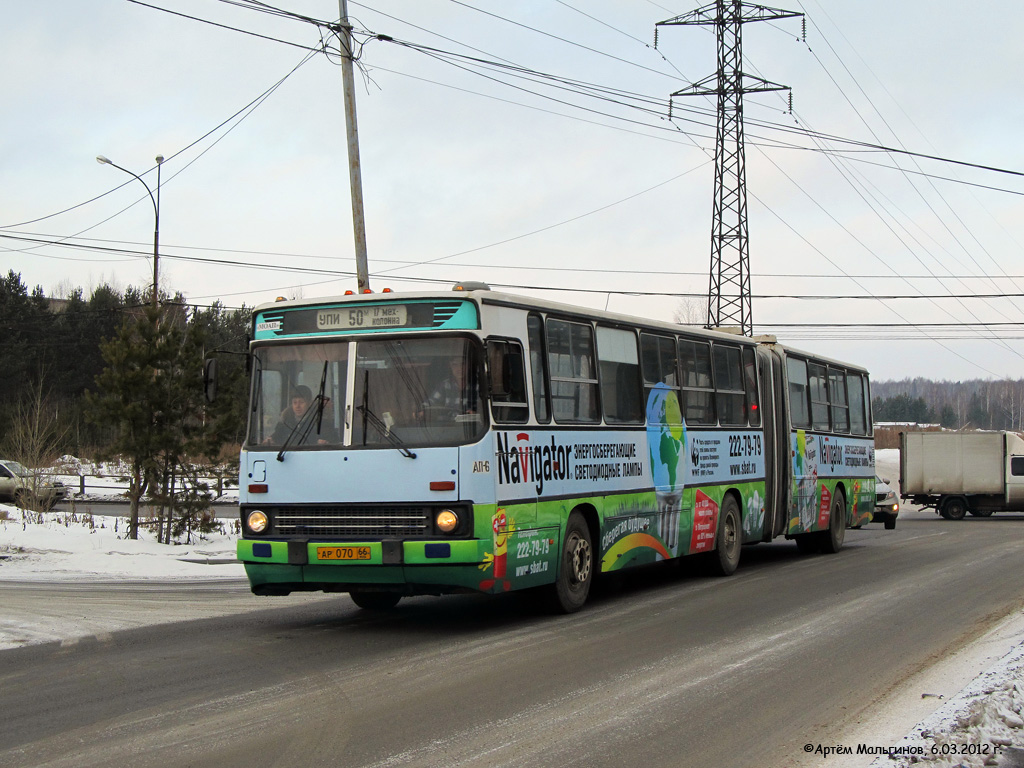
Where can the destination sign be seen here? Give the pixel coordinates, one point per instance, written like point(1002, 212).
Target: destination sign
point(366, 317)
point(380, 316)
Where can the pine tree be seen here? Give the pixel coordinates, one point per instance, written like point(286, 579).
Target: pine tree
point(148, 396)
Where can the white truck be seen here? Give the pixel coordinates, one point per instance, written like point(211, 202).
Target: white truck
point(961, 472)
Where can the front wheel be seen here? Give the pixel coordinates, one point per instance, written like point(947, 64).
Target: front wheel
point(575, 567)
point(890, 523)
point(729, 539)
point(374, 601)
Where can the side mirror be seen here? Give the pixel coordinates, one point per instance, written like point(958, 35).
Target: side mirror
point(210, 379)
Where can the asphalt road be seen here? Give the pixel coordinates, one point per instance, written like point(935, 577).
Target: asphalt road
point(664, 667)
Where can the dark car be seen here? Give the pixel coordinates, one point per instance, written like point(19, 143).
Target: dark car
point(887, 504)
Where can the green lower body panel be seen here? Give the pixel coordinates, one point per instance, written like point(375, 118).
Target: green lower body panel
point(410, 567)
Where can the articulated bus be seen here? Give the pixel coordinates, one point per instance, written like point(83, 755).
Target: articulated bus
point(430, 443)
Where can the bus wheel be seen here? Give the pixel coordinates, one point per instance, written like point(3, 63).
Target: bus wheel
point(954, 508)
point(575, 567)
point(374, 601)
point(832, 539)
point(729, 539)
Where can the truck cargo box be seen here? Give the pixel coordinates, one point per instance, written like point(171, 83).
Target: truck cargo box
point(953, 462)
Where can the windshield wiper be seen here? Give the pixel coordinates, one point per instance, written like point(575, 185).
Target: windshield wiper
point(372, 418)
point(303, 426)
point(384, 429)
point(306, 422)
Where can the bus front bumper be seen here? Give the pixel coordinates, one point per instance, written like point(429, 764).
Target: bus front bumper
point(406, 567)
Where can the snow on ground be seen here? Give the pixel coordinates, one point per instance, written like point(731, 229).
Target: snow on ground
point(982, 726)
point(84, 546)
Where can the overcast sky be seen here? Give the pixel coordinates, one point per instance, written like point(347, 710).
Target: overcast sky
point(474, 173)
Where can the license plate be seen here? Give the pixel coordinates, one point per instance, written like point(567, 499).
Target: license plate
point(342, 553)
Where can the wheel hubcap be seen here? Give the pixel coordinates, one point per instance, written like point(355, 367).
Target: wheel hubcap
point(579, 550)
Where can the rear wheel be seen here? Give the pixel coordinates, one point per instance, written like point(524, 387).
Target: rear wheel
point(981, 512)
point(374, 601)
point(832, 539)
point(575, 567)
point(954, 508)
point(729, 539)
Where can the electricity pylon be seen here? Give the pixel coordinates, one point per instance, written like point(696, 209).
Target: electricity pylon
point(729, 291)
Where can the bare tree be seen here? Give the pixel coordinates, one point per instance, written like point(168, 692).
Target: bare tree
point(34, 437)
point(691, 312)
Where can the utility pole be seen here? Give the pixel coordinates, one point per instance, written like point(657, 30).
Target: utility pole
point(354, 173)
point(729, 290)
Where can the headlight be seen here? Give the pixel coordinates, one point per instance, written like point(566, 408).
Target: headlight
point(257, 521)
point(446, 521)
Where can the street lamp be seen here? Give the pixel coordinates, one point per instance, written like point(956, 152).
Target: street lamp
point(156, 213)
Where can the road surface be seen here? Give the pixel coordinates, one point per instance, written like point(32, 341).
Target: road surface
point(664, 667)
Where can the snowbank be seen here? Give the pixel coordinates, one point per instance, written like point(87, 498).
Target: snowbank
point(982, 726)
point(83, 546)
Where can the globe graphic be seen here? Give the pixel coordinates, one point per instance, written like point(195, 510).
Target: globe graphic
point(666, 438)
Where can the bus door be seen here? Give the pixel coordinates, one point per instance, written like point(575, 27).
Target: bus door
point(778, 462)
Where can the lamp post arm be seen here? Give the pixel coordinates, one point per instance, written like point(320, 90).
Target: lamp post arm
point(156, 216)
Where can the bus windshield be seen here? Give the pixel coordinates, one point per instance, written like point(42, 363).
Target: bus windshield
point(412, 392)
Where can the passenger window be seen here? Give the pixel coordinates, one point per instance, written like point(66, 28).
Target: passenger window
point(837, 400)
point(698, 386)
point(538, 368)
point(729, 391)
point(750, 385)
point(659, 362)
point(571, 368)
point(817, 382)
point(507, 381)
point(858, 419)
point(1017, 466)
point(620, 376)
point(796, 372)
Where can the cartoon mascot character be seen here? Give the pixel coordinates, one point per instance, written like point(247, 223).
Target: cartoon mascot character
point(502, 527)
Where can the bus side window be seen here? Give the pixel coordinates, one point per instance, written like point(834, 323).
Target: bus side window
point(729, 391)
point(507, 382)
point(799, 412)
point(698, 386)
point(620, 376)
point(817, 381)
point(750, 384)
point(858, 418)
point(571, 368)
point(538, 368)
point(837, 400)
point(659, 363)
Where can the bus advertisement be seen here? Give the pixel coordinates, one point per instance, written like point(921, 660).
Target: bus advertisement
point(430, 443)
